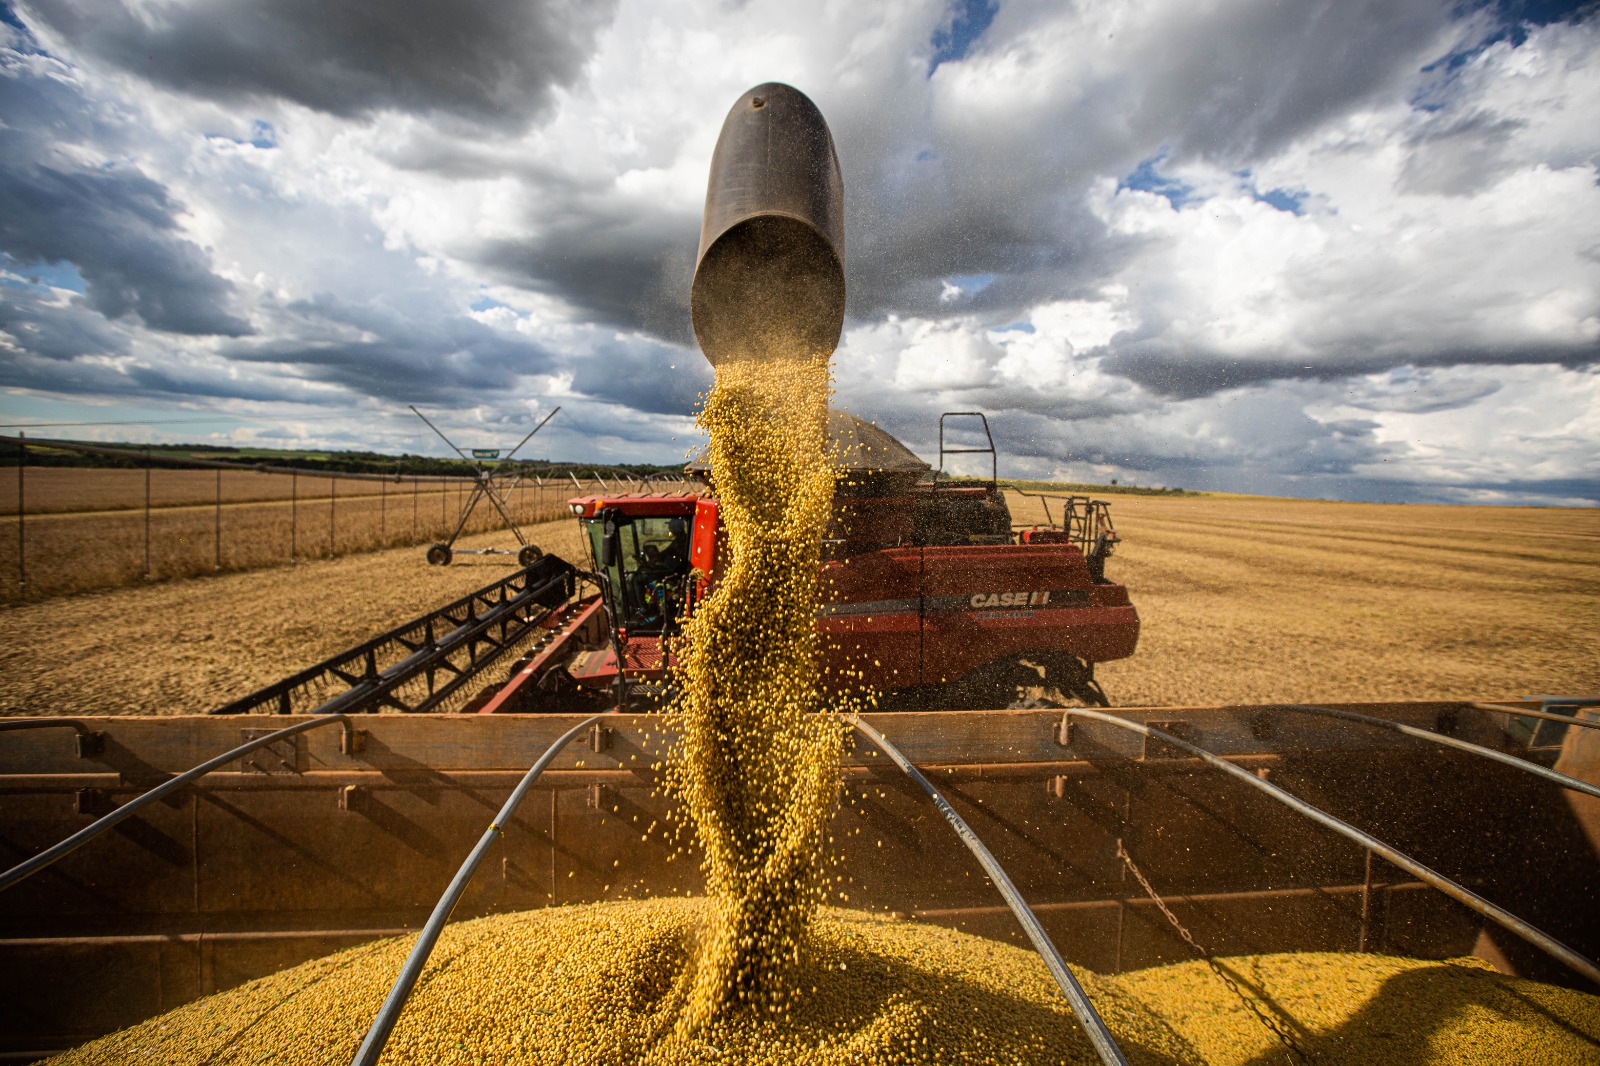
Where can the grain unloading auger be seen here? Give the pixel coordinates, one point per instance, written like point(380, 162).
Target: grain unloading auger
point(219, 848)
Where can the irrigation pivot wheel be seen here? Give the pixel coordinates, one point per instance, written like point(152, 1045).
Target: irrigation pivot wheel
point(439, 555)
point(530, 554)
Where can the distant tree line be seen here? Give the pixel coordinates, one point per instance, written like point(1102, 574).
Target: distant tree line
point(1078, 488)
point(344, 462)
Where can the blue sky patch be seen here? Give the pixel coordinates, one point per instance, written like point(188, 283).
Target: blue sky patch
point(1146, 178)
point(972, 284)
point(262, 135)
point(1514, 19)
point(61, 275)
point(968, 21)
point(1283, 200)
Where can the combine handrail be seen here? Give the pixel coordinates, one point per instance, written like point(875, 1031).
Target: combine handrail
point(1455, 890)
point(89, 832)
point(1094, 1028)
point(388, 1014)
point(1549, 716)
point(1554, 776)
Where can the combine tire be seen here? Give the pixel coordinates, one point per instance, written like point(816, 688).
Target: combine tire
point(1072, 678)
point(530, 554)
point(439, 555)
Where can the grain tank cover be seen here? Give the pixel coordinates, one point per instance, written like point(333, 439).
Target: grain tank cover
point(769, 276)
point(862, 446)
point(865, 459)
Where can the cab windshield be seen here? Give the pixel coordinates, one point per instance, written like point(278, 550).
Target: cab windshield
point(647, 577)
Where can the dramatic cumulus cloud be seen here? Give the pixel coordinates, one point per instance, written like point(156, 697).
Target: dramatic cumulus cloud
point(1330, 248)
point(102, 214)
point(481, 60)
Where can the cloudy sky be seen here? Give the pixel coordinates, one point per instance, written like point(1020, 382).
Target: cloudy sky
point(1342, 248)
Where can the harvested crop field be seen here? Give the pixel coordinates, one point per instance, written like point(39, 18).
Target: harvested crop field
point(185, 646)
point(1243, 599)
point(87, 529)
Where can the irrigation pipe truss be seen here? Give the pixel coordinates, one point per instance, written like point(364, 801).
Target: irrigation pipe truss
point(382, 1025)
point(94, 829)
point(1456, 891)
point(1094, 1028)
point(1479, 750)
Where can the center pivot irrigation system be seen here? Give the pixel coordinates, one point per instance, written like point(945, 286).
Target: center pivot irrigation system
point(929, 582)
point(493, 483)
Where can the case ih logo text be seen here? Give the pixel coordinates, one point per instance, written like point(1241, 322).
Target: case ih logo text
point(1010, 599)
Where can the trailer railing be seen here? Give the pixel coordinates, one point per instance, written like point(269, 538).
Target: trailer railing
point(1083, 521)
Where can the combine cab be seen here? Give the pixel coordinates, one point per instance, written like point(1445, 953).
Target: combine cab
point(931, 597)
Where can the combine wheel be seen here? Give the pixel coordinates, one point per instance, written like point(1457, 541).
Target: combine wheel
point(439, 555)
point(1027, 682)
point(1070, 678)
point(530, 554)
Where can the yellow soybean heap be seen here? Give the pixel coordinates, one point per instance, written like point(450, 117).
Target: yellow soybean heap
point(585, 985)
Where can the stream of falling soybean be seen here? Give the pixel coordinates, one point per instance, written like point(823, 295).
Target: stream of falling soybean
point(755, 770)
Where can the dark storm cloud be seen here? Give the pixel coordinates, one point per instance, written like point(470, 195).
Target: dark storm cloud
point(1317, 448)
point(627, 270)
point(1186, 373)
point(653, 378)
point(488, 61)
point(1409, 391)
point(115, 225)
point(55, 330)
point(404, 355)
point(1249, 81)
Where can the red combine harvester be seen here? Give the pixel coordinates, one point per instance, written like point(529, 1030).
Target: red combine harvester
point(930, 597)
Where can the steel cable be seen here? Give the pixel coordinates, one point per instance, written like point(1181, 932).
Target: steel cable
point(1094, 1028)
point(388, 1014)
point(1554, 776)
point(1456, 891)
point(89, 832)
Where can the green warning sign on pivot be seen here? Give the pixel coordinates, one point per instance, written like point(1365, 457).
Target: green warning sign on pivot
point(486, 453)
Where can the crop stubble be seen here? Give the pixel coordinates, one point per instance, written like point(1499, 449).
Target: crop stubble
point(1243, 599)
point(85, 529)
